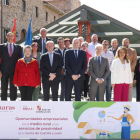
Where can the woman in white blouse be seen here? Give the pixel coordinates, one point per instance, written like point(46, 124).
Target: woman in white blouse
point(121, 77)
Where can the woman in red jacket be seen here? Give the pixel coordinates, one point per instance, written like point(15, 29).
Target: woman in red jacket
point(86, 87)
point(27, 75)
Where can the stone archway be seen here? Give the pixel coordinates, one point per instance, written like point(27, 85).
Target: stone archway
point(23, 33)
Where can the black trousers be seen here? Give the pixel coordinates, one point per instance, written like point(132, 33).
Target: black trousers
point(138, 90)
point(86, 87)
point(78, 90)
point(26, 93)
point(46, 90)
point(4, 86)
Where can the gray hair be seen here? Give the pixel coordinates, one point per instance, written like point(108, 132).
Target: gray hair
point(99, 45)
point(75, 39)
point(80, 37)
point(49, 42)
point(9, 33)
point(42, 29)
point(114, 39)
point(60, 38)
point(84, 43)
point(27, 47)
point(125, 39)
point(93, 36)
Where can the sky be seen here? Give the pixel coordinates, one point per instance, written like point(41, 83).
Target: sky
point(126, 11)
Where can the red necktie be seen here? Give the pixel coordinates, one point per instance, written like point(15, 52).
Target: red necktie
point(11, 50)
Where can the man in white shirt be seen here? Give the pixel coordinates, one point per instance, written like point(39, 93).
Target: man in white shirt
point(110, 56)
point(91, 46)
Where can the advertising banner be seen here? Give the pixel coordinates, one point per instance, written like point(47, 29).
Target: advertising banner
point(69, 120)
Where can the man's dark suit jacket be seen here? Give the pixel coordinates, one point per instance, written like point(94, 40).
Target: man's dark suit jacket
point(39, 41)
point(46, 67)
point(8, 63)
point(73, 68)
point(62, 55)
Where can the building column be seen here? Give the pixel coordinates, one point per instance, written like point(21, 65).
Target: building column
point(80, 23)
point(88, 31)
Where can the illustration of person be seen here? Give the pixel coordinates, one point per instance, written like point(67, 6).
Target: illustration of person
point(126, 117)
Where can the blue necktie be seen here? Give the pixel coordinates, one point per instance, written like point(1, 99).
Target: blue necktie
point(44, 46)
point(99, 61)
point(76, 59)
point(76, 55)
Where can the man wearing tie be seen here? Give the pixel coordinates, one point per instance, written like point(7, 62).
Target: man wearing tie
point(50, 66)
point(42, 40)
point(61, 50)
point(76, 65)
point(9, 53)
point(98, 69)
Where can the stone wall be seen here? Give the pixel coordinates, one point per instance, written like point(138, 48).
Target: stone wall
point(65, 5)
point(23, 18)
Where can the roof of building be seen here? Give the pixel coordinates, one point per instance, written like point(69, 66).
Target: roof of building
point(48, 4)
point(104, 26)
point(89, 131)
point(82, 124)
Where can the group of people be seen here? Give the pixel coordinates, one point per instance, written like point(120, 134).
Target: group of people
point(103, 67)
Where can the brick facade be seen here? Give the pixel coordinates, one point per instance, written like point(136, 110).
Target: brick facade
point(15, 9)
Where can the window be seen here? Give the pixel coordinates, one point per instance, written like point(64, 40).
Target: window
point(23, 33)
point(5, 33)
point(46, 16)
point(54, 17)
point(6, 2)
point(36, 11)
point(23, 6)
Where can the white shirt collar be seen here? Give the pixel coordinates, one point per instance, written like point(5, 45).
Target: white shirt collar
point(95, 43)
point(97, 56)
point(10, 43)
point(43, 39)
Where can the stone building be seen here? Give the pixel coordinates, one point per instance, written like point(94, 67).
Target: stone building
point(42, 13)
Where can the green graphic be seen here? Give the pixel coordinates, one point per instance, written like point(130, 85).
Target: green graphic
point(80, 107)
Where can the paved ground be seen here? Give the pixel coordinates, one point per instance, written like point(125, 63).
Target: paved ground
point(73, 99)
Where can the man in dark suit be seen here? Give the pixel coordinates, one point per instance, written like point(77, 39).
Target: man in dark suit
point(98, 68)
point(9, 53)
point(76, 65)
point(50, 66)
point(42, 40)
point(61, 50)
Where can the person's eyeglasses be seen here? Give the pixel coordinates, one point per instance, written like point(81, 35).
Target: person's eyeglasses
point(84, 46)
point(34, 46)
point(105, 44)
point(27, 51)
point(67, 42)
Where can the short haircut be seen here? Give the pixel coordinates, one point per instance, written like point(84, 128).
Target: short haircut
point(80, 37)
point(93, 36)
point(125, 39)
point(60, 38)
point(67, 39)
point(33, 44)
point(84, 43)
point(49, 42)
point(104, 41)
point(114, 39)
point(75, 39)
point(9, 33)
point(43, 29)
point(27, 47)
point(99, 45)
